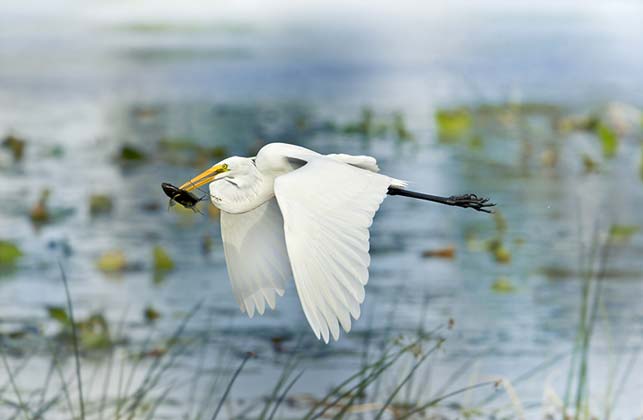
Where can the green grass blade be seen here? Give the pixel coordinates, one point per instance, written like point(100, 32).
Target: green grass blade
point(230, 383)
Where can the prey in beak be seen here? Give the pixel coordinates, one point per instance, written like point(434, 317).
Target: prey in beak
point(204, 177)
point(184, 198)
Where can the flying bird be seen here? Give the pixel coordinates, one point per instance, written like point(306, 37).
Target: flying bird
point(290, 212)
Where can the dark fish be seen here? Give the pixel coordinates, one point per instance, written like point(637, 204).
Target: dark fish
point(177, 195)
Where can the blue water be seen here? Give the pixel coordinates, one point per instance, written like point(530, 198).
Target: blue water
point(76, 77)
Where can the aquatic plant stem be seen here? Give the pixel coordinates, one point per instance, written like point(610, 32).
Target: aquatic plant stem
point(14, 386)
point(389, 400)
point(74, 335)
point(229, 387)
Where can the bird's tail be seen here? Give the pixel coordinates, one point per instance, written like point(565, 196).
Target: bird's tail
point(399, 184)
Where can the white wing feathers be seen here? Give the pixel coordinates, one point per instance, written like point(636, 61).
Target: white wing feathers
point(327, 209)
point(256, 256)
point(365, 162)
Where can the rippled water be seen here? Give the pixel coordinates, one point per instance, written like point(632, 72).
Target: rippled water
point(79, 88)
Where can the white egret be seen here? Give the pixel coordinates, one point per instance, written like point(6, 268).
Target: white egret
point(290, 212)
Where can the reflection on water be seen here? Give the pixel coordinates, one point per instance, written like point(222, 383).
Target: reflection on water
point(117, 109)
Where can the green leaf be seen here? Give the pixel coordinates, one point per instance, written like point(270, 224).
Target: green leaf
point(623, 232)
point(589, 164)
point(112, 261)
point(9, 253)
point(503, 285)
point(100, 204)
point(59, 314)
point(399, 127)
point(609, 140)
point(131, 153)
point(151, 314)
point(453, 123)
point(162, 260)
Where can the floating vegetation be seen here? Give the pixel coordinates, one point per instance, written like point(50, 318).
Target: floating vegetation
point(150, 314)
point(590, 165)
point(609, 140)
point(503, 285)
point(206, 243)
point(501, 254)
point(58, 313)
point(500, 221)
point(495, 245)
point(130, 154)
point(40, 212)
point(100, 204)
point(521, 108)
point(623, 233)
point(162, 260)
point(569, 123)
point(369, 126)
point(399, 127)
point(9, 253)
point(93, 331)
point(366, 126)
point(113, 261)
point(56, 151)
point(549, 157)
point(187, 27)
point(447, 252)
point(537, 130)
point(453, 123)
point(15, 145)
point(476, 142)
point(186, 151)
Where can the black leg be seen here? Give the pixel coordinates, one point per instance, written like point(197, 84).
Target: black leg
point(470, 201)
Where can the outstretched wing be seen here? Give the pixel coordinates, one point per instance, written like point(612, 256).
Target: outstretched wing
point(328, 207)
point(255, 253)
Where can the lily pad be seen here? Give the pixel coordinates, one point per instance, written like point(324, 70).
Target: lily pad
point(9, 253)
point(501, 254)
point(453, 123)
point(129, 153)
point(590, 165)
point(112, 261)
point(59, 314)
point(162, 260)
point(366, 126)
point(623, 232)
point(150, 314)
point(40, 211)
point(609, 140)
point(447, 252)
point(100, 204)
point(503, 285)
point(16, 146)
point(399, 127)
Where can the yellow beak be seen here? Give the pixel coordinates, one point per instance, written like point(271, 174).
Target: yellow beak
point(204, 177)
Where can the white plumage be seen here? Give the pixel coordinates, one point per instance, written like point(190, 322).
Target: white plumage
point(292, 212)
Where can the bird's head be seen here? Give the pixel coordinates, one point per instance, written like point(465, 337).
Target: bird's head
point(235, 184)
point(230, 168)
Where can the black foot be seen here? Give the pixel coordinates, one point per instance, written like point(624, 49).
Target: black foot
point(471, 201)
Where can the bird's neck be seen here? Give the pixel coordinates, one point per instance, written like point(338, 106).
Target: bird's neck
point(242, 194)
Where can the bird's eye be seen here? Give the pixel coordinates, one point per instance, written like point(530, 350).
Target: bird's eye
point(225, 166)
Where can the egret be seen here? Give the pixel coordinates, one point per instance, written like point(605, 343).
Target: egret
point(290, 212)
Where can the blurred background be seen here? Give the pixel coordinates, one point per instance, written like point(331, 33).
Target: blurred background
point(534, 104)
